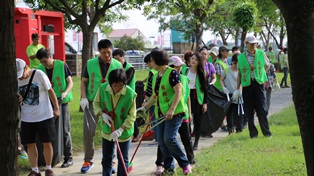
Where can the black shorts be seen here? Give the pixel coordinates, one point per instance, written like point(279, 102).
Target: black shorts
point(45, 130)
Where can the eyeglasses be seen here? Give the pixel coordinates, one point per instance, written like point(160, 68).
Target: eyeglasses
point(234, 63)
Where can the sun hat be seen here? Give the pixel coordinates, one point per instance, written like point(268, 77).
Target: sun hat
point(222, 48)
point(214, 50)
point(251, 39)
point(175, 60)
point(20, 66)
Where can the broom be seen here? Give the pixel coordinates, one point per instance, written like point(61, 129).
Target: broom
point(161, 119)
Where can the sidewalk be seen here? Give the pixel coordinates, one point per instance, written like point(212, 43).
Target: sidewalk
point(144, 161)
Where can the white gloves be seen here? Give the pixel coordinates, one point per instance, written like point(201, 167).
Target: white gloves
point(107, 119)
point(236, 95)
point(116, 134)
point(278, 86)
point(226, 91)
point(84, 103)
point(141, 111)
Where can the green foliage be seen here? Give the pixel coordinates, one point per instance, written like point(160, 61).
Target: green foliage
point(128, 43)
point(244, 15)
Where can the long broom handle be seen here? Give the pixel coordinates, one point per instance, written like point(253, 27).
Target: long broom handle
point(138, 144)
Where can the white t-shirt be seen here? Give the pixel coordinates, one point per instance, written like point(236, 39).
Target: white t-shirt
point(36, 106)
point(192, 78)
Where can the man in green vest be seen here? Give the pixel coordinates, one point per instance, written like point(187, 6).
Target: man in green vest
point(95, 73)
point(59, 75)
point(119, 55)
point(271, 55)
point(253, 65)
point(32, 49)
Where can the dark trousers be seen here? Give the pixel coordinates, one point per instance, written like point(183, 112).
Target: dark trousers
point(233, 119)
point(185, 136)
point(107, 157)
point(254, 99)
point(285, 76)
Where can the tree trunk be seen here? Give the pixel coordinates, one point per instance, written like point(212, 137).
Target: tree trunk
point(236, 38)
point(300, 26)
point(243, 35)
point(87, 44)
point(198, 35)
point(8, 89)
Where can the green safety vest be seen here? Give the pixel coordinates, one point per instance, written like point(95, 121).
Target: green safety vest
point(95, 77)
point(199, 92)
point(210, 59)
point(225, 68)
point(58, 80)
point(259, 70)
point(132, 83)
point(271, 56)
point(118, 113)
point(185, 93)
point(184, 69)
point(166, 95)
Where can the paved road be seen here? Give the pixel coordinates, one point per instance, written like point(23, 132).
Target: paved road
point(143, 163)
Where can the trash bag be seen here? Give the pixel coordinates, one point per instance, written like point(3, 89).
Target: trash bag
point(139, 89)
point(57, 144)
point(217, 109)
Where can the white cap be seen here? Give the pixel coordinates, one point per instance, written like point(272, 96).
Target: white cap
point(20, 66)
point(175, 60)
point(251, 39)
point(214, 50)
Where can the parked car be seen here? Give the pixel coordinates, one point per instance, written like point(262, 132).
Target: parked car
point(134, 52)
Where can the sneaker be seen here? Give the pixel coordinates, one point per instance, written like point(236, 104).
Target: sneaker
point(159, 170)
point(86, 166)
point(49, 172)
point(67, 163)
point(33, 173)
point(168, 172)
point(23, 154)
point(187, 169)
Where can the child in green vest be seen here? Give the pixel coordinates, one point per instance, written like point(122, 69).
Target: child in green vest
point(115, 102)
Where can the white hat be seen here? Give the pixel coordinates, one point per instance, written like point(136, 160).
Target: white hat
point(175, 60)
point(214, 50)
point(251, 39)
point(20, 66)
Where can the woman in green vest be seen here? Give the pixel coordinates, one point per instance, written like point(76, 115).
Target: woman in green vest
point(168, 101)
point(198, 94)
point(115, 102)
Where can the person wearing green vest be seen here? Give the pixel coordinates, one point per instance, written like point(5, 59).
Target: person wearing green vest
point(169, 104)
point(32, 49)
point(115, 102)
point(208, 67)
point(184, 130)
point(213, 53)
point(95, 73)
point(253, 65)
point(60, 77)
point(187, 60)
point(119, 55)
point(198, 94)
point(221, 65)
point(284, 64)
point(271, 55)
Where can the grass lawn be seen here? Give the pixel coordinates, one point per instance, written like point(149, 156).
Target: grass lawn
point(281, 154)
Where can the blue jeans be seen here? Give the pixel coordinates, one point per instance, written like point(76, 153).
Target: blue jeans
point(170, 148)
point(285, 76)
point(107, 157)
